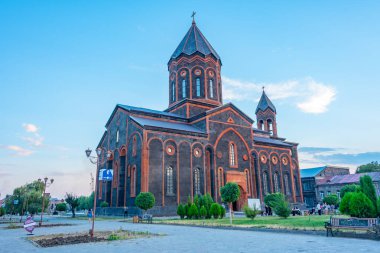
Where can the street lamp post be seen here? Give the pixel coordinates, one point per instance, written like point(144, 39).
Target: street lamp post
point(95, 160)
point(46, 184)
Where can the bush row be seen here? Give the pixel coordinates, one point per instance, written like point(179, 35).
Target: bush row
point(203, 207)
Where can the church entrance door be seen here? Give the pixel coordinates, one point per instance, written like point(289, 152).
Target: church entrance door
point(239, 204)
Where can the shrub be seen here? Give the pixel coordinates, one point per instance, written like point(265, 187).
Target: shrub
point(203, 212)
point(250, 212)
point(61, 207)
point(181, 211)
point(378, 207)
point(344, 206)
point(282, 209)
point(215, 210)
point(145, 200)
point(361, 206)
point(331, 199)
point(272, 199)
point(207, 200)
point(368, 189)
point(2, 211)
point(222, 211)
point(193, 211)
point(104, 204)
point(348, 188)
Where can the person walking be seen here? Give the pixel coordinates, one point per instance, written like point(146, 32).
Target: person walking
point(319, 209)
point(89, 215)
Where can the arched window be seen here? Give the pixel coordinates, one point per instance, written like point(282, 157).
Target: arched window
point(198, 86)
point(220, 179)
point(276, 182)
point(270, 126)
point(183, 88)
point(265, 183)
point(261, 124)
point(197, 181)
point(248, 182)
point(169, 181)
point(211, 88)
point(287, 189)
point(173, 91)
point(133, 181)
point(233, 155)
point(134, 146)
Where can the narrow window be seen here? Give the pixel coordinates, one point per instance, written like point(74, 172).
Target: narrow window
point(133, 182)
point(296, 184)
point(232, 154)
point(220, 179)
point(134, 146)
point(276, 183)
point(198, 86)
point(338, 194)
point(322, 195)
point(197, 182)
point(287, 189)
point(183, 88)
point(173, 91)
point(270, 126)
point(169, 181)
point(265, 183)
point(117, 136)
point(211, 88)
point(248, 182)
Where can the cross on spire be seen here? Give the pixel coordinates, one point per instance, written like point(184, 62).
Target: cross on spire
point(263, 88)
point(192, 15)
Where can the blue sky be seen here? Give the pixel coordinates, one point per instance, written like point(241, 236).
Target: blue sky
point(64, 65)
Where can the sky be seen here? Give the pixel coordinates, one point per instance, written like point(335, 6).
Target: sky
point(64, 65)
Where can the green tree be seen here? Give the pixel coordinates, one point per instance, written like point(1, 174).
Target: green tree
point(361, 206)
point(145, 200)
point(72, 200)
point(250, 212)
point(368, 189)
point(331, 199)
point(348, 188)
point(230, 193)
point(83, 203)
point(273, 199)
point(193, 211)
point(203, 212)
point(222, 211)
point(378, 207)
point(282, 209)
point(215, 210)
point(370, 167)
point(207, 201)
point(2, 211)
point(61, 207)
point(181, 211)
point(344, 206)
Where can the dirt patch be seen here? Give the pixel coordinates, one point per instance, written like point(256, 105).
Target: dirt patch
point(76, 238)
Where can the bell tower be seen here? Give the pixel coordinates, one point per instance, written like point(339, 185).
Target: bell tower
point(266, 115)
point(194, 74)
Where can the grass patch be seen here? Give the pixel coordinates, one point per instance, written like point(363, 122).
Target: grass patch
point(76, 238)
point(293, 222)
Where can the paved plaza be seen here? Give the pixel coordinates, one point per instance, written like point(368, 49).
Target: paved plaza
point(184, 239)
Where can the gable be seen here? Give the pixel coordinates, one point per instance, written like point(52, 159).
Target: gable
point(230, 116)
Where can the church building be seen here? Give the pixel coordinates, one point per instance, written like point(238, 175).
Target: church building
point(198, 143)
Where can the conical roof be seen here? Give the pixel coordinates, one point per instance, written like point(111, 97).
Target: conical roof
point(194, 41)
point(265, 103)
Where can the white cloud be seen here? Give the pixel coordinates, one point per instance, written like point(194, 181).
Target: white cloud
point(36, 140)
point(30, 128)
point(19, 151)
point(320, 98)
point(307, 94)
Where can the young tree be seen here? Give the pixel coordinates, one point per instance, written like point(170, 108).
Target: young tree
point(273, 199)
point(104, 204)
point(344, 206)
point(230, 193)
point(193, 211)
point(251, 212)
point(203, 212)
point(73, 202)
point(181, 211)
point(368, 189)
point(215, 210)
point(145, 200)
point(282, 209)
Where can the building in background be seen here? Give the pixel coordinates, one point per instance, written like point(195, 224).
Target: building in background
point(197, 144)
point(332, 185)
point(310, 177)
